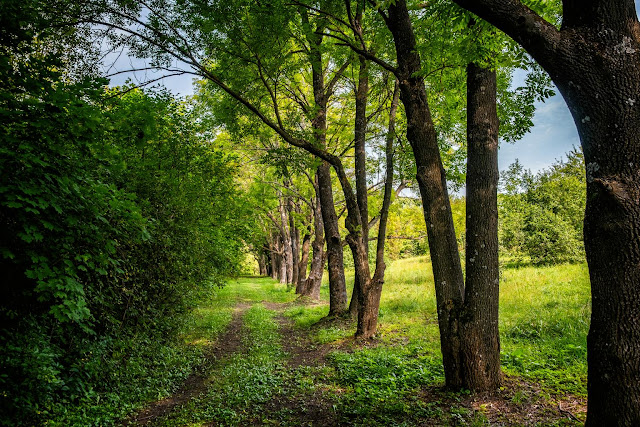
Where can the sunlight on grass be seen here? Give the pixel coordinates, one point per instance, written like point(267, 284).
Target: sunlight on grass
point(544, 318)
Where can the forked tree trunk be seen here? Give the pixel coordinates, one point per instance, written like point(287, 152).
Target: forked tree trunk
point(443, 247)
point(594, 60)
point(480, 340)
point(369, 296)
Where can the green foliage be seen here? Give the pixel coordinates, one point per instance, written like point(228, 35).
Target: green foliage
point(381, 382)
point(541, 215)
point(117, 215)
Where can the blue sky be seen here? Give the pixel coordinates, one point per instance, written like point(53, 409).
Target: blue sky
point(552, 135)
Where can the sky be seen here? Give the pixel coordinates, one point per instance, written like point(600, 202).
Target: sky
point(553, 134)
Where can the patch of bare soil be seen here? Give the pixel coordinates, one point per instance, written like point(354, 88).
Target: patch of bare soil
point(517, 403)
point(226, 345)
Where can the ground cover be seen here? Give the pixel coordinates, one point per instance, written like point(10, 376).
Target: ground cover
point(280, 363)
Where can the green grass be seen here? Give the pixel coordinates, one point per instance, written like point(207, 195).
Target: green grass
point(544, 316)
point(243, 383)
point(544, 319)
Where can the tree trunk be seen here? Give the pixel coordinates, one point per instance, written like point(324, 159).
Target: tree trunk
point(262, 267)
point(294, 236)
point(313, 282)
point(480, 340)
point(360, 129)
point(274, 256)
point(287, 249)
point(304, 261)
point(445, 258)
point(282, 274)
point(594, 60)
point(337, 285)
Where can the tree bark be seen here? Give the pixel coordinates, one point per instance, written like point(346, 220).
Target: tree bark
point(294, 237)
point(274, 256)
point(360, 131)
point(337, 284)
point(304, 260)
point(262, 267)
point(445, 258)
point(480, 340)
point(312, 285)
point(594, 60)
point(286, 269)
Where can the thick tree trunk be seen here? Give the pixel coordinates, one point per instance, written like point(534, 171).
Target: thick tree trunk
point(445, 258)
point(608, 122)
point(480, 341)
point(360, 130)
point(337, 284)
point(595, 62)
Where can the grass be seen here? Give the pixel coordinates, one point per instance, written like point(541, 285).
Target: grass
point(242, 384)
point(397, 378)
point(544, 320)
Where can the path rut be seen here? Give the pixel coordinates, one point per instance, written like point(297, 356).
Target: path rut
point(225, 346)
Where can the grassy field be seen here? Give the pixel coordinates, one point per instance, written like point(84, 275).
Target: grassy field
point(395, 379)
point(544, 318)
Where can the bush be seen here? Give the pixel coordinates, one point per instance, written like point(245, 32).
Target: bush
point(116, 215)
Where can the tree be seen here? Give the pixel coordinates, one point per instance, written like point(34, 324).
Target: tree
point(594, 60)
point(542, 214)
point(470, 353)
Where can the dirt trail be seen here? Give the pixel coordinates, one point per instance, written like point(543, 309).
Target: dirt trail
point(302, 351)
point(315, 409)
point(225, 346)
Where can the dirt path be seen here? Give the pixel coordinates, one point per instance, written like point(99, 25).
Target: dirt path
point(225, 346)
point(316, 409)
point(518, 402)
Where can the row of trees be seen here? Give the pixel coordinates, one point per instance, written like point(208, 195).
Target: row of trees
point(597, 42)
